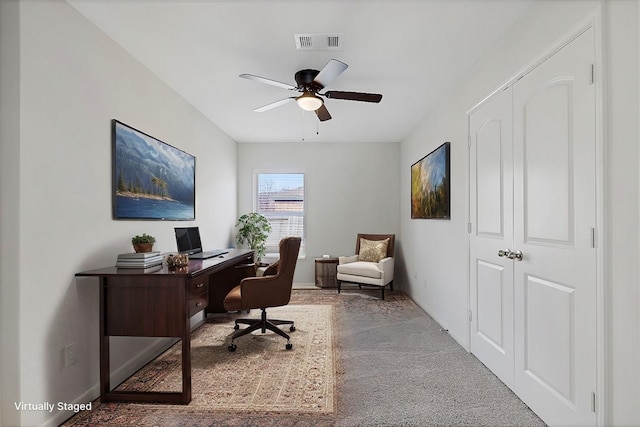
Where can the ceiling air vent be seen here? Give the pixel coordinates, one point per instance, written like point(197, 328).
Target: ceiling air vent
point(320, 41)
point(304, 42)
point(333, 41)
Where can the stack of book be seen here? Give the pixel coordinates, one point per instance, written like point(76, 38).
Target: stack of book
point(139, 260)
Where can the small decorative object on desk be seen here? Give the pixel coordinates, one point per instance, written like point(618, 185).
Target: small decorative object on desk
point(177, 260)
point(139, 259)
point(143, 243)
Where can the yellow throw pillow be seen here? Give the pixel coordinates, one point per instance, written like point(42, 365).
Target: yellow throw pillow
point(373, 250)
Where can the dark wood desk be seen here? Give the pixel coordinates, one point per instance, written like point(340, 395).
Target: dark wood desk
point(160, 304)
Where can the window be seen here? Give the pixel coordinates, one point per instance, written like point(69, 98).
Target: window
point(280, 198)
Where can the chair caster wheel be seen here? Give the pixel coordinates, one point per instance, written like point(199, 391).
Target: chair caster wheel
point(236, 326)
point(289, 346)
point(232, 347)
point(292, 328)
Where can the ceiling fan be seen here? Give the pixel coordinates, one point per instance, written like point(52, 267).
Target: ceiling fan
point(310, 83)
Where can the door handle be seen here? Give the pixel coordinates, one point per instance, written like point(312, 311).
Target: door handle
point(518, 255)
point(505, 252)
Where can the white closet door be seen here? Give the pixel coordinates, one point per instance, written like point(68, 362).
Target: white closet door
point(554, 218)
point(491, 209)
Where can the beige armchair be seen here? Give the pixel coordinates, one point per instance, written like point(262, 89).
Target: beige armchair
point(372, 265)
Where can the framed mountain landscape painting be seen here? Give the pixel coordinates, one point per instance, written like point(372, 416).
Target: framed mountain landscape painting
point(150, 179)
point(430, 185)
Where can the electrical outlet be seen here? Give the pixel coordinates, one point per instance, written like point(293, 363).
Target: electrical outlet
point(70, 357)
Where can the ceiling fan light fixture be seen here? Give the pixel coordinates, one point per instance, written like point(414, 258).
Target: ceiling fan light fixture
point(309, 101)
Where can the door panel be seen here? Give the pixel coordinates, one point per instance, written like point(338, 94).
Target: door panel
point(491, 207)
point(490, 204)
point(549, 346)
point(491, 305)
point(548, 164)
point(554, 213)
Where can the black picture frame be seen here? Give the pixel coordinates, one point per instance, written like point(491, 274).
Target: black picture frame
point(151, 179)
point(431, 186)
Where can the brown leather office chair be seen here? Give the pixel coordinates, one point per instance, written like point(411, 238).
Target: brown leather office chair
point(273, 289)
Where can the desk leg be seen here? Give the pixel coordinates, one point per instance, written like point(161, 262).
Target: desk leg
point(105, 376)
point(186, 365)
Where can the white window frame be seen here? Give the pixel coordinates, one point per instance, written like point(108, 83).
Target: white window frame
point(272, 252)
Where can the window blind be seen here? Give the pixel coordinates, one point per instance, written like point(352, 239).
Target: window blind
point(280, 198)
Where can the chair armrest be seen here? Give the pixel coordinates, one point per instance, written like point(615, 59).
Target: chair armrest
point(386, 266)
point(385, 263)
point(347, 259)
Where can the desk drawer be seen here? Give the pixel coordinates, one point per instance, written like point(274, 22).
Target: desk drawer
point(198, 303)
point(198, 286)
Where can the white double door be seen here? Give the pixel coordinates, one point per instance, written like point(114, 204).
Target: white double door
point(533, 215)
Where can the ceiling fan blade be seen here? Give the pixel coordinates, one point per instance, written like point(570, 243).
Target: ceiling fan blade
point(354, 96)
point(274, 105)
point(329, 73)
point(323, 113)
point(268, 81)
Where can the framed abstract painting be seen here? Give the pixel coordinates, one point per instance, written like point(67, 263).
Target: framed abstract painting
point(430, 185)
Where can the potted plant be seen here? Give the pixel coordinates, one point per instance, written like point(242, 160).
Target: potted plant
point(253, 229)
point(143, 243)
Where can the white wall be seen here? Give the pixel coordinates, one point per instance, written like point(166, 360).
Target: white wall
point(435, 251)
point(72, 81)
point(349, 188)
point(9, 212)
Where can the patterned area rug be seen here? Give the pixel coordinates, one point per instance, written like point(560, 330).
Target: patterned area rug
point(260, 377)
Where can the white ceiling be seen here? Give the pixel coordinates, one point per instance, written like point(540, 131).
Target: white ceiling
point(412, 52)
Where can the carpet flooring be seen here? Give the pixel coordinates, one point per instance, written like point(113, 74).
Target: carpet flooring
point(392, 366)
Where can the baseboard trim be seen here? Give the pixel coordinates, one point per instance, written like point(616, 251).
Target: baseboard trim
point(305, 286)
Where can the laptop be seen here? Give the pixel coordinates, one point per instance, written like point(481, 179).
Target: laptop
point(188, 242)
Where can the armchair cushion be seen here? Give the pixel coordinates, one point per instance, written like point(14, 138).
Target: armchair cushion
point(361, 268)
point(372, 250)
